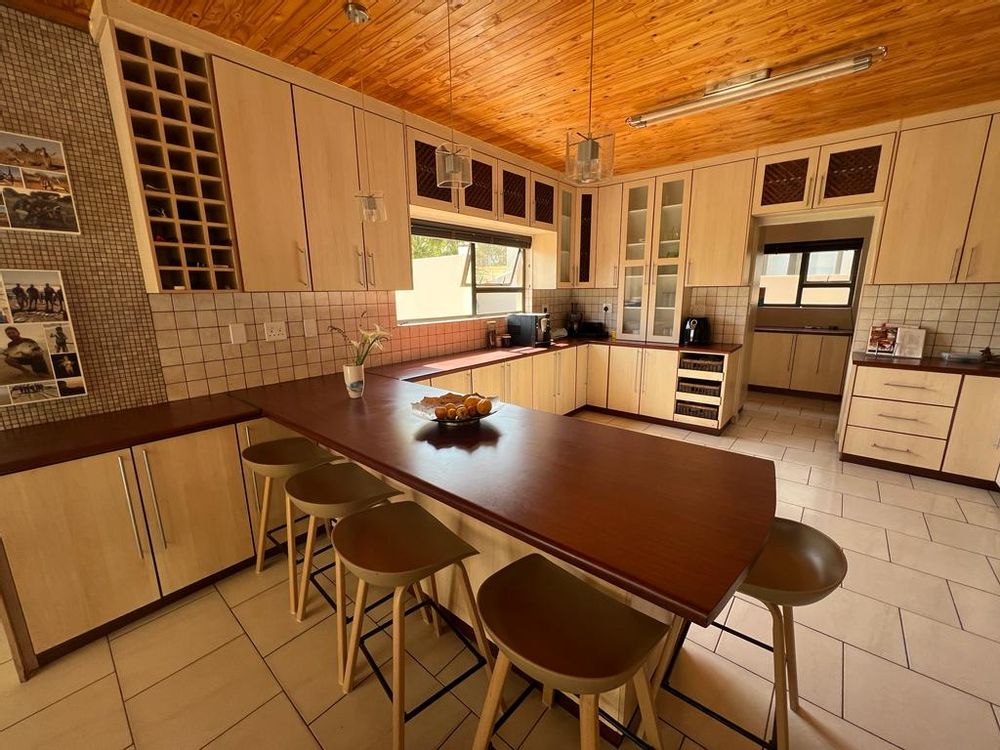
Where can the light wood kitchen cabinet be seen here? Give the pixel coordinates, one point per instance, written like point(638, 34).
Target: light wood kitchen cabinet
point(76, 540)
point(607, 238)
point(566, 254)
point(520, 382)
point(624, 375)
point(981, 257)
point(263, 167)
point(514, 193)
point(585, 255)
point(543, 382)
point(582, 374)
point(597, 375)
point(480, 198)
point(659, 383)
point(490, 380)
point(819, 363)
point(667, 256)
point(771, 360)
point(784, 182)
point(457, 382)
point(635, 240)
point(930, 201)
point(974, 445)
point(565, 381)
point(544, 202)
point(719, 224)
point(421, 162)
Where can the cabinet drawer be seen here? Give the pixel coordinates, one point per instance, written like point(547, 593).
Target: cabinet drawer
point(891, 446)
point(894, 416)
point(907, 385)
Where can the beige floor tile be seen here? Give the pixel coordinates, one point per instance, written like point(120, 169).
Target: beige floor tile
point(163, 611)
point(913, 711)
point(757, 448)
point(944, 561)
point(854, 535)
point(247, 583)
point(557, 728)
point(996, 566)
point(54, 681)
point(827, 446)
point(817, 433)
point(712, 441)
point(203, 700)
point(965, 536)
point(810, 497)
point(979, 611)
point(980, 515)
point(887, 516)
point(268, 622)
point(919, 500)
point(709, 637)
point(789, 511)
point(93, 717)
point(744, 431)
point(820, 460)
point(820, 657)
point(953, 656)
point(900, 586)
point(662, 430)
point(434, 652)
point(781, 424)
point(812, 728)
point(361, 720)
point(792, 472)
point(845, 483)
point(462, 737)
point(594, 416)
point(159, 648)
point(274, 725)
point(628, 424)
point(4, 647)
point(670, 738)
point(952, 490)
point(859, 620)
point(690, 744)
point(802, 442)
point(879, 475)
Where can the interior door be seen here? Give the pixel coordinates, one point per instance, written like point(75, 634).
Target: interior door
point(636, 238)
point(784, 182)
point(772, 359)
point(854, 172)
point(659, 383)
point(981, 258)
point(624, 374)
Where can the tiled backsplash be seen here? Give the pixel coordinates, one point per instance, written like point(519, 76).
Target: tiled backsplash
point(559, 303)
point(726, 307)
point(957, 317)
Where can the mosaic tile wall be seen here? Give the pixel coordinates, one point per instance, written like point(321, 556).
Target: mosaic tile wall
point(52, 86)
point(957, 317)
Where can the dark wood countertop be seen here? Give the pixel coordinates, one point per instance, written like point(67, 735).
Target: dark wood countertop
point(673, 523)
point(430, 367)
point(931, 364)
point(41, 445)
point(805, 331)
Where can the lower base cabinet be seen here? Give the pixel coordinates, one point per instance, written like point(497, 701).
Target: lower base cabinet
point(566, 386)
point(543, 382)
point(814, 363)
point(520, 382)
point(974, 445)
point(597, 375)
point(624, 375)
point(659, 383)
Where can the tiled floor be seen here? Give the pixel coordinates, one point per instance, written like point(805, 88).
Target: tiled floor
point(906, 654)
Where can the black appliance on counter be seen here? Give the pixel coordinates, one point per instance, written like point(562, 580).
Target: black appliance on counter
point(529, 329)
point(696, 331)
point(591, 329)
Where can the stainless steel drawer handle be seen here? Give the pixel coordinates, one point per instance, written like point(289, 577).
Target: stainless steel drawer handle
point(888, 448)
point(152, 495)
point(901, 419)
point(908, 385)
point(131, 510)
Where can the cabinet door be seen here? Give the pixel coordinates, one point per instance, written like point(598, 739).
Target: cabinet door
point(659, 383)
point(264, 184)
point(457, 382)
point(974, 444)
point(514, 192)
point(480, 198)
point(819, 363)
point(76, 540)
point(520, 382)
point(784, 182)
point(192, 491)
point(421, 149)
point(608, 236)
point(771, 360)
point(543, 202)
point(566, 259)
point(387, 243)
point(597, 375)
point(719, 225)
point(930, 199)
point(328, 155)
point(490, 381)
point(981, 259)
point(668, 255)
point(636, 237)
point(624, 373)
point(565, 381)
point(854, 172)
point(585, 259)
point(582, 374)
point(543, 382)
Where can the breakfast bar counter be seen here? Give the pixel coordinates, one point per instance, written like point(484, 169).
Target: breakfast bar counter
point(672, 523)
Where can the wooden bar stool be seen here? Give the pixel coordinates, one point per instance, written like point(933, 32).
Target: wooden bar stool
point(281, 459)
point(568, 636)
point(397, 546)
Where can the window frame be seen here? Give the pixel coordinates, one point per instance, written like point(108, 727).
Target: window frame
point(806, 249)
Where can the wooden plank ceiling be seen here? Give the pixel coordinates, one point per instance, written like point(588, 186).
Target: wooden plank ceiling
point(521, 68)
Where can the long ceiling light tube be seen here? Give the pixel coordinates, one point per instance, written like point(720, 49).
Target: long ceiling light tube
point(755, 89)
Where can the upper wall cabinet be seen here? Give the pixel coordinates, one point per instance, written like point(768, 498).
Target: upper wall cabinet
point(981, 259)
point(263, 165)
point(785, 181)
point(586, 219)
point(636, 236)
point(544, 209)
point(514, 193)
point(566, 257)
point(480, 198)
point(424, 191)
point(930, 201)
point(608, 236)
point(719, 224)
point(670, 218)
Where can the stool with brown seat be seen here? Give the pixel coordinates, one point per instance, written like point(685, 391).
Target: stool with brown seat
point(568, 636)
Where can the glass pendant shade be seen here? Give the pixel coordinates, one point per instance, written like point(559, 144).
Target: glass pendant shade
point(453, 164)
point(372, 207)
point(589, 158)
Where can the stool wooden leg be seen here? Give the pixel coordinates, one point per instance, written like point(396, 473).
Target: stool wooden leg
point(265, 509)
point(547, 695)
point(418, 594)
point(306, 565)
point(477, 621)
point(670, 644)
point(780, 690)
point(793, 675)
point(290, 545)
point(341, 600)
point(590, 730)
point(356, 626)
point(491, 705)
point(398, 665)
point(647, 711)
point(435, 617)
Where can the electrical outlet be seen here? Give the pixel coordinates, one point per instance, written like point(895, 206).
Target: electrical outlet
point(275, 331)
point(606, 307)
point(309, 327)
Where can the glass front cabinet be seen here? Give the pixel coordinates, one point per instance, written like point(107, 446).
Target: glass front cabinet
point(566, 266)
point(636, 235)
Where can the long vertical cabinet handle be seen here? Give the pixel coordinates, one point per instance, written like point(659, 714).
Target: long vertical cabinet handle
point(819, 359)
point(303, 264)
point(558, 374)
point(253, 476)
point(615, 283)
point(972, 261)
point(371, 267)
point(131, 510)
point(645, 355)
point(791, 352)
point(361, 268)
point(956, 263)
point(819, 193)
point(635, 387)
point(152, 496)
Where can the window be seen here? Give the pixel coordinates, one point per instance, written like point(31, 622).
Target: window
point(462, 273)
point(810, 274)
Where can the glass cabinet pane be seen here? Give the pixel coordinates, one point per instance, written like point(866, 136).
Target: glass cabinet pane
point(635, 232)
point(632, 300)
point(671, 214)
point(785, 182)
point(565, 237)
point(852, 172)
point(664, 300)
point(586, 237)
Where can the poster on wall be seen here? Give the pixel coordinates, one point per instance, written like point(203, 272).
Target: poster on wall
point(35, 191)
point(39, 360)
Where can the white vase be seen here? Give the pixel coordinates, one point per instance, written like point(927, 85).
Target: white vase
point(354, 380)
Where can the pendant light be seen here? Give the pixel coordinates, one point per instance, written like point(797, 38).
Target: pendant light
point(590, 158)
point(371, 203)
point(452, 161)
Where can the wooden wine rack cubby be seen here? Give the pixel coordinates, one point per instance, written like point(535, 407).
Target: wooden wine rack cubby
point(171, 113)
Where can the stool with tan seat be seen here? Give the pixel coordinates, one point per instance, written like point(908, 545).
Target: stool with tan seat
point(281, 459)
point(568, 636)
point(397, 546)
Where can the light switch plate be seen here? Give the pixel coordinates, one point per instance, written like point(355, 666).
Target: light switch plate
point(237, 333)
point(275, 331)
point(309, 327)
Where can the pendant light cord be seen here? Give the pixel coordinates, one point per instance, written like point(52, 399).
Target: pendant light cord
point(451, 84)
point(364, 116)
point(590, 96)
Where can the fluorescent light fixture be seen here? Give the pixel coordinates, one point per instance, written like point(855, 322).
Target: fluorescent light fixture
point(760, 83)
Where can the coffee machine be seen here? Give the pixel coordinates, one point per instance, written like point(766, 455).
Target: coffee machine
point(529, 329)
point(696, 331)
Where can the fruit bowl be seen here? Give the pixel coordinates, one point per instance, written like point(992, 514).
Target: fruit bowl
point(455, 409)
